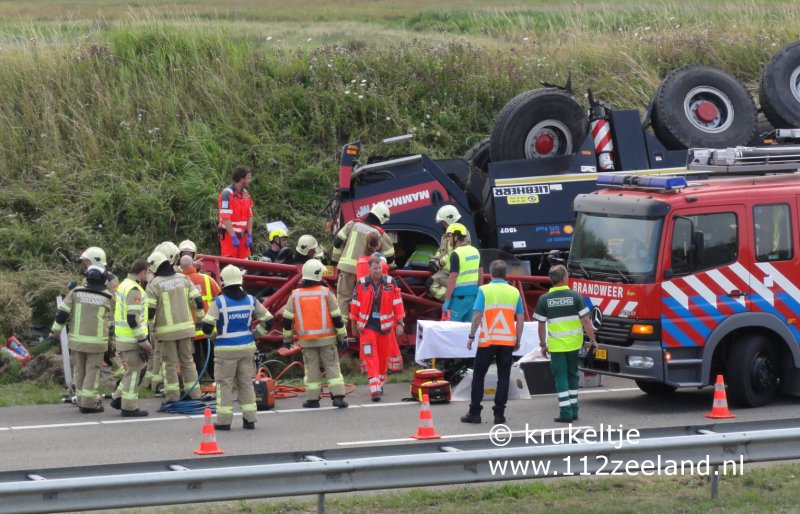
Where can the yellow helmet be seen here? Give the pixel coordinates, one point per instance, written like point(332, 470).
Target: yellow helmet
point(381, 211)
point(169, 250)
point(187, 246)
point(278, 232)
point(230, 276)
point(313, 270)
point(305, 244)
point(95, 255)
point(155, 260)
point(457, 229)
point(448, 214)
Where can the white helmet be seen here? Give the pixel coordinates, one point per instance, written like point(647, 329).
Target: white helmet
point(231, 276)
point(169, 250)
point(448, 213)
point(95, 255)
point(155, 260)
point(305, 244)
point(381, 212)
point(313, 270)
point(187, 245)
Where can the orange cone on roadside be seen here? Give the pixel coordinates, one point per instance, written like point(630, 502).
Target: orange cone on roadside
point(720, 408)
point(208, 445)
point(425, 430)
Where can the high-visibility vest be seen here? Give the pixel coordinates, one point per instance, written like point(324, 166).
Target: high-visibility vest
point(312, 317)
point(233, 325)
point(205, 294)
point(499, 327)
point(469, 267)
point(123, 333)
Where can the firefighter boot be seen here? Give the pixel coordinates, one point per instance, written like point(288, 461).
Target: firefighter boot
point(249, 425)
point(138, 413)
point(338, 401)
point(311, 404)
point(116, 403)
point(92, 410)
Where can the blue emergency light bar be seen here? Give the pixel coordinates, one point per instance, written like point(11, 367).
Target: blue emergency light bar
point(640, 181)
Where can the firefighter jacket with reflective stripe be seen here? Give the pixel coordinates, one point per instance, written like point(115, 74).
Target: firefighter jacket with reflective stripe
point(354, 235)
point(390, 308)
point(469, 267)
point(233, 319)
point(442, 256)
point(208, 289)
point(237, 207)
point(89, 312)
point(499, 327)
point(312, 309)
point(561, 308)
point(173, 299)
point(130, 299)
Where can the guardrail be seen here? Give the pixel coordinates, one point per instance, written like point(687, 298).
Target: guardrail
point(399, 467)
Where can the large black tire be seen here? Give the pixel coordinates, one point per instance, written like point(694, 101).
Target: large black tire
point(779, 90)
point(753, 371)
point(539, 123)
point(703, 106)
point(655, 388)
point(479, 156)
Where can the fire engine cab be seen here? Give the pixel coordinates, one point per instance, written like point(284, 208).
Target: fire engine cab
point(696, 275)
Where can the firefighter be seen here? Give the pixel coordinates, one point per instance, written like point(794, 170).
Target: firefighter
point(307, 248)
point(349, 245)
point(231, 314)
point(465, 276)
point(279, 250)
point(376, 316)
point(236, 215)
point(439, 265)
point(130, 335)
point(498, 311)
point(563, 317)
point(187, 247)
point(208, 289)
point(154, 375)
point(88, 309)
point(95, 255)
point(171, 251)
point(312, 312)
point(373, 242)
point(171, 298)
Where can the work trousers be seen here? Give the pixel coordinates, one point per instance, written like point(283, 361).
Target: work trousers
point(238, 371)
point(376, 348)
point(564, 366)
point(201, 346)
point(461, 308)
point(155, 367)
point(344, 293)
point(228, 250)
point(129, 387)
point(328, 358)
point(86, 376)
point(503, 356)
point(175, 353)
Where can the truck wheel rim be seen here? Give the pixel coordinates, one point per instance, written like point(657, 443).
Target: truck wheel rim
point(763, 374)
point(548, 138)
point(708, 109)
point(794, 83)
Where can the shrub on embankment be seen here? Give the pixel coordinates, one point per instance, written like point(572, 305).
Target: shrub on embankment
point(122, 136)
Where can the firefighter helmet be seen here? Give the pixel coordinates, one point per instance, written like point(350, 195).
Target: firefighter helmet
point(187, 245)
point(95, 255)
point(381, 211)
point(169, 250)
point(457, 229)
point(305, 244)
point(155, 260)
point(231, 276)
point(313, 270)
point(278, 232)
point(449, 214)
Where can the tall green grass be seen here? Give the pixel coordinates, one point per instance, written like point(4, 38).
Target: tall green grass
point(120, 133)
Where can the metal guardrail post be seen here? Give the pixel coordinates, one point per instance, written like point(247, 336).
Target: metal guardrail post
point(715, 482)
point(321, 503)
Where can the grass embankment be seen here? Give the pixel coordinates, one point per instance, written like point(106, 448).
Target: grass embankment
point(119, 131)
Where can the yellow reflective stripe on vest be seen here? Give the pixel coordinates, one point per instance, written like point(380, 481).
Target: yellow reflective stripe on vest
point(123, 333)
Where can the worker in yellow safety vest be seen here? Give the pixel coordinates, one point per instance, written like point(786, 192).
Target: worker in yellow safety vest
point(465, 276)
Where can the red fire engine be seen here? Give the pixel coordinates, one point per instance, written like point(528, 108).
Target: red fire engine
point(688, 277)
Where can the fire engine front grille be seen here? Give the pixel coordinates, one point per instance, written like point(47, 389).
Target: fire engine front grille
point(615, 331)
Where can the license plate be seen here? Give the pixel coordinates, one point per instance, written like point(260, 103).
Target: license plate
point(601, 354)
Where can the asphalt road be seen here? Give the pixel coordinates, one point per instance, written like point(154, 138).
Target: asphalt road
point(50, 436)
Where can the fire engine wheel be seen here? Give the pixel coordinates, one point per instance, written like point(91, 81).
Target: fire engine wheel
point(703, 106)
point(543, 122)
point(752, 372)
point(779, 90)
point(478, 156)
point(655, 388)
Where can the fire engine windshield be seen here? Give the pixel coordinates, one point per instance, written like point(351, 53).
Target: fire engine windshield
point(621, 246)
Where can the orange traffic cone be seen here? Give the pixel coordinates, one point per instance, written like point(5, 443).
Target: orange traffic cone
point(720, 408)
point(425, 430)
point(208, 446)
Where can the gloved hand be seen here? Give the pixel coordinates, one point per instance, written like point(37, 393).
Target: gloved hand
point(341, 338)
point(235, 241)
point(72, 285)
point(287, 344)
point(249, 241)
point(198, 326)
point(446, 305)
point(145, 345)
point(433, 266)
